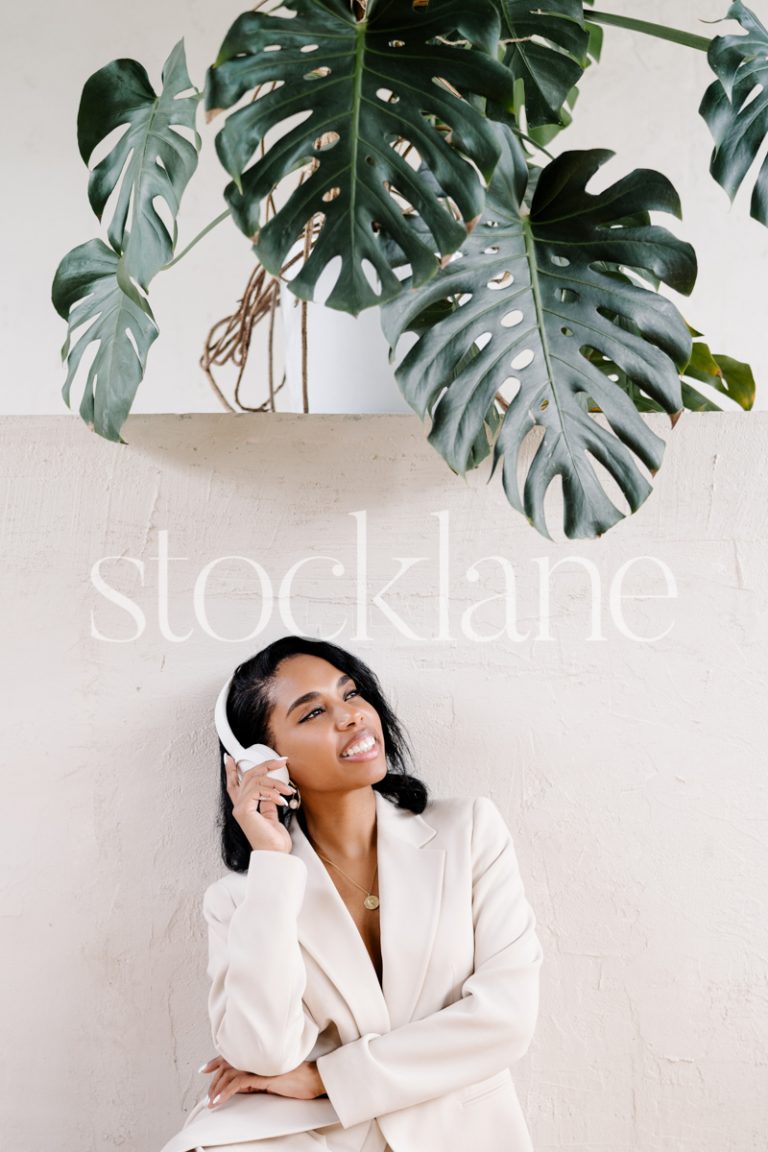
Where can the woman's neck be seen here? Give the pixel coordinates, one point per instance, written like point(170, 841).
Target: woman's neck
point(341, 826)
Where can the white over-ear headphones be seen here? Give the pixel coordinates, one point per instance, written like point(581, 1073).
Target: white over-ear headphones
point(245, 758)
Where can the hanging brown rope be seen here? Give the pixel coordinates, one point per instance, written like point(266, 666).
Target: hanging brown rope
point(229, 340)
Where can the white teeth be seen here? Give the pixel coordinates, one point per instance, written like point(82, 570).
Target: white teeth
point(364, 746)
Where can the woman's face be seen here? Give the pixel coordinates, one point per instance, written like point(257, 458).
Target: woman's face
point(315, 732)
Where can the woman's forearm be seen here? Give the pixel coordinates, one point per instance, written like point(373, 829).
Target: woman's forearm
point(258, 1020)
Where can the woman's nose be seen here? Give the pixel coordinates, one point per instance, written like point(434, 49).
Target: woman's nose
point(351, 717)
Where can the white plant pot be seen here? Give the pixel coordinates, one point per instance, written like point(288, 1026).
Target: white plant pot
point(347, 358)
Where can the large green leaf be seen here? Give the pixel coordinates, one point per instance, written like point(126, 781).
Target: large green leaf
point(735, 107)
point(153, 158)
point(359, 86)
point(90, 288)
point(546, 50)
point(534, 292)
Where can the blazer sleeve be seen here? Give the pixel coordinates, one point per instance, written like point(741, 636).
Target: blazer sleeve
point(488, 1028)
point(258, 1020)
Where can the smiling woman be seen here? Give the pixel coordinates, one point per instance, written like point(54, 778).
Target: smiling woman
point(373, 960)
point(313, 703)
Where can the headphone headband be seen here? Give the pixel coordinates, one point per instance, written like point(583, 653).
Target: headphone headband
point(245, 758)
point(225, 733)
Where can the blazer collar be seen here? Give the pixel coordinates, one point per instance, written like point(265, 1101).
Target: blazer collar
point(410, 877)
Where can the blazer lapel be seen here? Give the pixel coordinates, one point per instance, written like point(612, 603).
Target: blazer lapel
point(410, 891)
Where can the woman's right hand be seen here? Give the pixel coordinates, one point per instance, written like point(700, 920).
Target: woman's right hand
point(261, 824)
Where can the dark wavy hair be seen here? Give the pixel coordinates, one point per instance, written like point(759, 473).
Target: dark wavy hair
point(248, 711)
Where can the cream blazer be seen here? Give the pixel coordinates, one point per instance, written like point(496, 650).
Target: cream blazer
point(427, 1055)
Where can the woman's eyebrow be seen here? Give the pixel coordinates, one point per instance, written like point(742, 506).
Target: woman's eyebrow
point(314, 695)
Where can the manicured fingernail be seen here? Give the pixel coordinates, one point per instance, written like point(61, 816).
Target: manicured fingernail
point(216, 1098)
point(203, 1067)
point(282, 800)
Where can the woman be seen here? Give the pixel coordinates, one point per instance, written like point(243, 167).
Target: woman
point(373, 960)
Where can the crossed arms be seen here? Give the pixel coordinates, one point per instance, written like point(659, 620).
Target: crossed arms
point(260, 1024)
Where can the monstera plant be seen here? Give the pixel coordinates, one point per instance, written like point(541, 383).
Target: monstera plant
point(402, 146)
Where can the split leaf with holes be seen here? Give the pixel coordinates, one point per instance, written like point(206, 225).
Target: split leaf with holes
point(360, 86)
point(535, 287)
point(90, 288)
point(546, 48)
point(151, 161)
point(153, 158)
point(735, 107)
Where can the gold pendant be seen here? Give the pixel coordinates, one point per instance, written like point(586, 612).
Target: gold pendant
point(371, 902)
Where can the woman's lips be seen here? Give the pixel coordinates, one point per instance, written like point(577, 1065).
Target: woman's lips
point(371, 754)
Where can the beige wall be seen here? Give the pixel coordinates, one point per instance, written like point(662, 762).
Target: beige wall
point(632, 773)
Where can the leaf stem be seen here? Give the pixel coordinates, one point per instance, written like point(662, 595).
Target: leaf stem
point(676, 35)
point(530, 140)
point(208, 228)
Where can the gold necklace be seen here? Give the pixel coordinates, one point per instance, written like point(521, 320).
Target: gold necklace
point(370, 901)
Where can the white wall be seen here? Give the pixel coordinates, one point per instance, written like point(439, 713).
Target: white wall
point(641, 101)
point(632, 773)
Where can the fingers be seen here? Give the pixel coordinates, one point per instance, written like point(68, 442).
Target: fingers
point(286, 789)
point(267, 791)
point(211, 1064)
point(270, 784)
point(230, 1082)
point(256, 785)
point(219, 1081)
point(237, 776)
point(220, 1066)
point(258, 772)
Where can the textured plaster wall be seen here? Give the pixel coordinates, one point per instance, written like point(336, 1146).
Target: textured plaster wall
point(632, 773)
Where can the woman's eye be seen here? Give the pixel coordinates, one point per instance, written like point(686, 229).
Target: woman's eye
point(309, 715)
